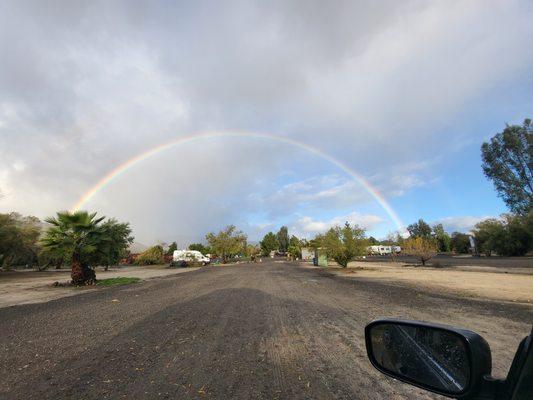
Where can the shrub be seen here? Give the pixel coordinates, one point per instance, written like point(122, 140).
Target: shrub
point(152, 256)
point(343, 244)
point(424, 248)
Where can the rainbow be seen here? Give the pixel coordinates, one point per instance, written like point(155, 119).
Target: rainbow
point(120, 169)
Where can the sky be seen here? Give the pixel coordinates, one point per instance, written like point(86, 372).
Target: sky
point(402, 94)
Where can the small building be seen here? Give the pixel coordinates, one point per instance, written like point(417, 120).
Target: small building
point(321, 258)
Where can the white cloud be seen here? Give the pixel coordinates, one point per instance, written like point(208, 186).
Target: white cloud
point(336, 191)
point(460, 223)
point(308, 226)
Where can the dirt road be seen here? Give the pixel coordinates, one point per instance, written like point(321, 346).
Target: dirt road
point(265, 331)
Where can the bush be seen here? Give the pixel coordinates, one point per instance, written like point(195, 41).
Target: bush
point(152, 256)
point(424, 248)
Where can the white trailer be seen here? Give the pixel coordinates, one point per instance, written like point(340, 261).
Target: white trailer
point(383, 250)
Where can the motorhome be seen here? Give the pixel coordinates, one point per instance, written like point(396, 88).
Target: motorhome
point(383, 250)
point(183, 258)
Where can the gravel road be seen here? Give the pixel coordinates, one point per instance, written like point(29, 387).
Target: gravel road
point(265, 331)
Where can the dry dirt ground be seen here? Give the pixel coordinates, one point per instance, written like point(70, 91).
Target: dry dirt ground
point(504, 284)
point(265, 331)
point(26, 287)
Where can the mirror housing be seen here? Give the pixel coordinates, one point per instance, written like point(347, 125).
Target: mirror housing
point(438, 358)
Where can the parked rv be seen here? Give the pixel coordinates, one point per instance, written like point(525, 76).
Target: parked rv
point(383, 250)
point(184, 258)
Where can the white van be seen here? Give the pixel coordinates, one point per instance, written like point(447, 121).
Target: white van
point(183, 258)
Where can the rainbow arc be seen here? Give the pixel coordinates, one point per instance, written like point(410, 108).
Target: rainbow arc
point(125, 166)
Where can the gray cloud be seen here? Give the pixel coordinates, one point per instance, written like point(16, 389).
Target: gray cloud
point(86, 85)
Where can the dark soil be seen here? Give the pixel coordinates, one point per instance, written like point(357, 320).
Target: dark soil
point(261, 331)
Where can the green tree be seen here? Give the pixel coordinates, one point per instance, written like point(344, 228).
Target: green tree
point(490, 236)
point(269, 243)
point(19, 240)
point(228, 242)
point(76, 236)
point(173, 246)
point(443, 238)
point(155, 255)
point(294, 241)
point(511, 235)
point(460, 243)
point(419, 229)
point(200, 247)
point(295, 247)
point(508, 163)
point(343, 244)
point(283, 239)
point(372, 241)
point(519, 236)
point(115, 247)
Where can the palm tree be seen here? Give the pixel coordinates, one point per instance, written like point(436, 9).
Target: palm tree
point(75, 236)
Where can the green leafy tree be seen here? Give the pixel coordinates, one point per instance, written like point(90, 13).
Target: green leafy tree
point(419, 229)
point(18, 236)
point(115, 247)
point(228, 242)
point(173, 246)
point(343, 244)
point(201, 248)
point(508, 163)
point(295, 248)
point(155, 255)
point(511, 235)
point(19, 240)
point(269, 243)
point(294, 252)
point(490, 236)
point(460, 243)
point(519, 236)
point(294, 241)
point(76, 236)
point(372, 241)
point(443, 238)
point(10, 239)
point(283, 239)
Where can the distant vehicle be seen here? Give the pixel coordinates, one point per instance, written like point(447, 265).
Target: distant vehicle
point(383, 250)
point(184, 258)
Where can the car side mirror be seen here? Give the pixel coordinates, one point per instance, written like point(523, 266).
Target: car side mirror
point(442, 359)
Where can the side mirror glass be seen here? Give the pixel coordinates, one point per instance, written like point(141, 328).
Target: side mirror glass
point(441, 359)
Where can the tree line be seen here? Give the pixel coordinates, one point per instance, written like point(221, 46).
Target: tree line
point(282, 243)
point(80, 240)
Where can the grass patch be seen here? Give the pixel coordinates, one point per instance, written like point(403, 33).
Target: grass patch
point(117, 281)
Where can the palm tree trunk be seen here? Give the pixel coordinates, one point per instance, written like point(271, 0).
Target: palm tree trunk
point(81, 274)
